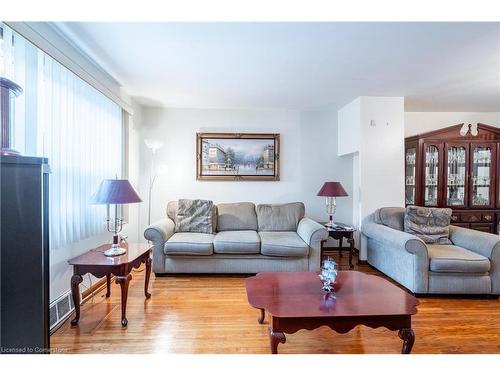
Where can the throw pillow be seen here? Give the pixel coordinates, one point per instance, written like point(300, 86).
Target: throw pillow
point(431, 225)
point(194, 215)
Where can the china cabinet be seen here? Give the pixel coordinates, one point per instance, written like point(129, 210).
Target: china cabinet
point(456, 167)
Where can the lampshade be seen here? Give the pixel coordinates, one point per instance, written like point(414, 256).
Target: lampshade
point(116, 192)
point(332, 189)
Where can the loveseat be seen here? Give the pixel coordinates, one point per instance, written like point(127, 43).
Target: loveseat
point(471, 265)
point(247, 239)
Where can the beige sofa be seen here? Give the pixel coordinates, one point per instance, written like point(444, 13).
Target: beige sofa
point(248, 239)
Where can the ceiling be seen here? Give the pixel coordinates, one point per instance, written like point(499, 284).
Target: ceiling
point(435, 66)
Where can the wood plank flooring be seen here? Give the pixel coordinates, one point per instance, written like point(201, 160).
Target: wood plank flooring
point(210, 314)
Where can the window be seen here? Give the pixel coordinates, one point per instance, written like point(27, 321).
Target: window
point(79, 130)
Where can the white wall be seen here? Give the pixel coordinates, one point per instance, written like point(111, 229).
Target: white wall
point(381, 153)
point(378, 167)
point(421, 122)
point(349, 127)
point(133, 228)
point(308, 158)
point(61, 271)
point(320, 163)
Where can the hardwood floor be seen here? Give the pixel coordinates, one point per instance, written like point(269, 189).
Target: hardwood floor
point(210, 314)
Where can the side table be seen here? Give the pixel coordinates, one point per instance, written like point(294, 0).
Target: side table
point(99, 265)
point(340, 234)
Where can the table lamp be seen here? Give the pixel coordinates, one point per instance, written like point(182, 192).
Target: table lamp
point(331, 190)
point(117, 192)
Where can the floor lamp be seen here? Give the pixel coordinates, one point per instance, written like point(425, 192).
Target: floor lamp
point(153, 146)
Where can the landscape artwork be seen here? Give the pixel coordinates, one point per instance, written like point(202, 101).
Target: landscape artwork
point(228, 156)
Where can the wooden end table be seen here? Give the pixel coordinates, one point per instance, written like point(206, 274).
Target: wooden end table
point(340, 234)
point(99, 265)
point(295, 301)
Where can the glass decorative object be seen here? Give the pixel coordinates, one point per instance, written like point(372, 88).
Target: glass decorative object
point(328, 274)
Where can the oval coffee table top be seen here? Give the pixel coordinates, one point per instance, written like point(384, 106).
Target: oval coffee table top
point(299, 294)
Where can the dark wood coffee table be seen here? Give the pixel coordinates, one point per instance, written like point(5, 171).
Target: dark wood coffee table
point(295, 301)
point(99, 265)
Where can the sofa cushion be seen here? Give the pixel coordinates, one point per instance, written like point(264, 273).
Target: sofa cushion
point(237, 242)
point(236, 216)
point(280, 217)
point(282, 244)
point(450, 258)
point(172, 208)
point(392, 217)
point(190, 244)
point(431, 225)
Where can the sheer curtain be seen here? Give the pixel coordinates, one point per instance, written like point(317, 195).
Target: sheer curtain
point(80, 131)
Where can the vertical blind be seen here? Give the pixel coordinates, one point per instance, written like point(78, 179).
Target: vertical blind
point(63, 118)
point(80, 132)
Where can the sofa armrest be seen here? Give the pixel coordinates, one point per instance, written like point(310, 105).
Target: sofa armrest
point(396, 238)
point(412, 266)
point(158, 233)
point(479, 242)
point(312, 233)
point(485, 244)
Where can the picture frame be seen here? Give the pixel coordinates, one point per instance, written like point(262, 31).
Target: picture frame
point(237, 157)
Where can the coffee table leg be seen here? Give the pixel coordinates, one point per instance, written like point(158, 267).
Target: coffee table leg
point(148, 274)
point(262, 316)
point(75, 294)
point(108, 285)
point(408, 337)
point(124, 281)
point(275, 339)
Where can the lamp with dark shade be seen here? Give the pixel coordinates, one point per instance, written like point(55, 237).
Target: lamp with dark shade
point(331, 190)
point(115, 192)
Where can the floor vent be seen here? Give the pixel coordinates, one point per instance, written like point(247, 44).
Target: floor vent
point(60, 309)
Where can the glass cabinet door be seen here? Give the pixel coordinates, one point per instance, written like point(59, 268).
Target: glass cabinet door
point(410, 161)
point(431, 175)
point(483, 160)
point(456, 174)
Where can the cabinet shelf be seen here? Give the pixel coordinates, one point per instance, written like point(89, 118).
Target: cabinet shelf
point(484, 165)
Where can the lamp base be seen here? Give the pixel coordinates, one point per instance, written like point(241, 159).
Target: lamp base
point(330, 224)
point(115, 250)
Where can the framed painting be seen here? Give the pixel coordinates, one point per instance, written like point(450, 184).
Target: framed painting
point(237, 157)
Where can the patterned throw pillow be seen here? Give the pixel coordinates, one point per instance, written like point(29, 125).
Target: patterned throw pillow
point(194, 215)
point(431, 225)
